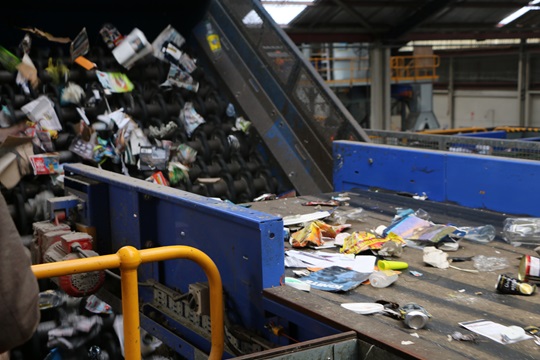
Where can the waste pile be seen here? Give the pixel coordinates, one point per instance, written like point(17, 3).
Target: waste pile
point(121, 102)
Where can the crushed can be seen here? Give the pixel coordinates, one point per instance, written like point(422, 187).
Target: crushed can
point(509, 285)
point(529, 269)
point(414, 316)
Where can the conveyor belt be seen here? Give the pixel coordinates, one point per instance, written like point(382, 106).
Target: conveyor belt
point(450, 295)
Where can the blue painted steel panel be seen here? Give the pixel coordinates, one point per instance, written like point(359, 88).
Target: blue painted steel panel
point(478, 181)
point(169, 338)
point(494, 183)
point(487, 134)
point(530, 139)
point(371, 165)
point(301, 326)
point(246, 245)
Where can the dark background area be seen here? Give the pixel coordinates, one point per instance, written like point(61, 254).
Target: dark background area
point(64, 19)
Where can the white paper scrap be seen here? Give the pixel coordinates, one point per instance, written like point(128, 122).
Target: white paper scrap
point(299, 219)
point(360, 263)
point(491, 330)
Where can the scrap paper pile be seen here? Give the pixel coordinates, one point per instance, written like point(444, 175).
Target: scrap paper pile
point(336, 272)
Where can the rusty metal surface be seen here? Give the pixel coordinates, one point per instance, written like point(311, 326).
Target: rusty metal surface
point(341, 346)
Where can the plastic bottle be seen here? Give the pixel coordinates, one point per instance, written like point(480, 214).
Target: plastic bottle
point(212, 38)
point(51, 299)
point(522, 231)
point(481, 234)
point(382, 278)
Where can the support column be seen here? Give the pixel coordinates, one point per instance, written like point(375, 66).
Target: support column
point(421, 116)
point(380, 99)
point(527, 102)
point(451, 97)
point(522, 82)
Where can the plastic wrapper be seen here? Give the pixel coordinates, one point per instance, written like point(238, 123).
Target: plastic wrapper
point(481, 234)
point(360, 241)
point(190, 118)
point(114, 82)
point(522, 231)
point(489, 263)
point(343, 217)
point(412, 227)
point(169, 34)
point(313, 233)
point(181, 79)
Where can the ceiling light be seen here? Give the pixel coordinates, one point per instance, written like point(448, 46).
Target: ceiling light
point(519, 13)
point(283, 12)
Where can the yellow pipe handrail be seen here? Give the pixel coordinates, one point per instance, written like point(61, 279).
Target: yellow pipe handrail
point(128, 260)
point(403, 68)
point(454, 131)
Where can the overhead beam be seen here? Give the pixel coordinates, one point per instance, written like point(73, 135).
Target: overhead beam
point(349, 9)
point(406, 4)
point(326, 15)
point(474, 35)
point(326, 35)
point(430, 9)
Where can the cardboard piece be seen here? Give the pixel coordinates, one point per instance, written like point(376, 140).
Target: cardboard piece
point(46, 164)
point(14, 159)
point(42, 111)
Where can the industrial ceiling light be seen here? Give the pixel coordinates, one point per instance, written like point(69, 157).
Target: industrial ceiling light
point(284, 11)
point(519, 13)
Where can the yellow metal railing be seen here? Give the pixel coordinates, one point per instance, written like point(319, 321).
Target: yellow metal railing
point(342, 71)
point(455, 131)
point(128, 260)
point(414, 67)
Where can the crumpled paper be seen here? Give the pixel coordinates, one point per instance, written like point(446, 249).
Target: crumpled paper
point(435, 257)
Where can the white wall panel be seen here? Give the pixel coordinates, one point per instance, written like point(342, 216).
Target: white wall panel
point(534, 110)
point(479, 108)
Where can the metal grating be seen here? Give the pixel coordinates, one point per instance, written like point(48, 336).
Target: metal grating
point(320, 109)
point(518, 149)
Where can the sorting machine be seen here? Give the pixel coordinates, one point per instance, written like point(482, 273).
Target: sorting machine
point(264, 318)
point(318, 149)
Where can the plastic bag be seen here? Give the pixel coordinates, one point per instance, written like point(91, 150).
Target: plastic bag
point(489, 263)
point(481, 234)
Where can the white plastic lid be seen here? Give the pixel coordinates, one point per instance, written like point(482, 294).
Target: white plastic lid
point(364, 308)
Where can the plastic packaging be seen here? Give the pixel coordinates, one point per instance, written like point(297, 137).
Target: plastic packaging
point(481, 234)
point(344, 217)
point(391, 265)
point(491, 263)
point(383, 278)
point(522, 231)
point(391, 248)
point(51, 299)
point(422, 214)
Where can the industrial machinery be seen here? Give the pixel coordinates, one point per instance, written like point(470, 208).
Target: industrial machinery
point(304, 139)
point(246, 68)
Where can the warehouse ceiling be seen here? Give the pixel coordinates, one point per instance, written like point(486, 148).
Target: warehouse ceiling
point(400, 21)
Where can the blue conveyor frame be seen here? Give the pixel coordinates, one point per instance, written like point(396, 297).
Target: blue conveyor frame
point(246, 245)
point(485, 182)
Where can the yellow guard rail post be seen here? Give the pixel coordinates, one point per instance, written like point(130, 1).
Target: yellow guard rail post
point(128, 260)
